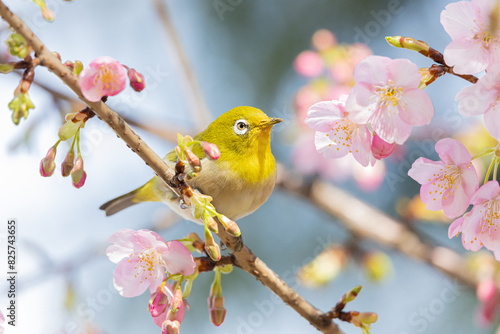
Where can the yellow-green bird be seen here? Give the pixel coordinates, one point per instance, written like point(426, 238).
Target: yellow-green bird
point(239, 182)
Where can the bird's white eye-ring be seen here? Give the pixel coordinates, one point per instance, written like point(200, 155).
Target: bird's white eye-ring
point(240, 127)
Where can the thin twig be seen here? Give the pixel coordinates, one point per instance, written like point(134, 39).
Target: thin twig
point(244, 258)
point(198, 107)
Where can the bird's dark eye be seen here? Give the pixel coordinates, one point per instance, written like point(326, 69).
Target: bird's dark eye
point(240, 126)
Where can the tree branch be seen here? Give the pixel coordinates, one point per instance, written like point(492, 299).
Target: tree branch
point(244, 258)
point(364, 221)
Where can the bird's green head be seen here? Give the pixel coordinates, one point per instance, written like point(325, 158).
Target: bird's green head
point(241, 132)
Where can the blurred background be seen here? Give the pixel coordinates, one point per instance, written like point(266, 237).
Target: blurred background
point(241, 53)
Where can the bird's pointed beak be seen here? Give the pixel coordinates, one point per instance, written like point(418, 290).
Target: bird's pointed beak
point(271, 122)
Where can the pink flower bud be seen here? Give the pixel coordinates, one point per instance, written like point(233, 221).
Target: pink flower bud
point(211, 150)
point(177, 299)
point(216, 308)
point(158, 302)
point(380, 148)
point(68, 163)
point(136, 80)
point(47, 165)
point(170, 327)
point(78, 175)
point(193, 159)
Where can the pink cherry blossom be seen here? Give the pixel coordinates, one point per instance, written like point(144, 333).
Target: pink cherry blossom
point(143, 257)
point(479, 227)
point(387, 96)
point(473, 47)
point(103, 77)
point(336, 134)
point(309, 64)
point(482, 99)
point(448, 184)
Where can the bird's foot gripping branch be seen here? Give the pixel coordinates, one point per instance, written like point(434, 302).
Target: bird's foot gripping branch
point(144, 259)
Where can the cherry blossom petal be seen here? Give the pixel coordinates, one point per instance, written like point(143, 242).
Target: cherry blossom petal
point(389, 128)
point(321, 115)
point(471, 230)
point(404, 73)
point(488, 191)
point(122, 245)
point(131, 281)
point(452, 152)
point(474, 100)
point(178, 259)
point(358, 104)
point(466, 56)
point(455, 203)
point(418, 108)
point(431, 196)
point(457, 19)
point(328, 148)
point(372, 70)
point(361, 148)
point(455, 228)
point(470, 181)
point(424, 170)
point(492, 122)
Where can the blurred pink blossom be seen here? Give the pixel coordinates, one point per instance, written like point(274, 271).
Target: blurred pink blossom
point(342, 71)
point(309, 63)
point(323, 39)
point(489, 301)
point(304, 98)
point(308, 161)
point(358, 52)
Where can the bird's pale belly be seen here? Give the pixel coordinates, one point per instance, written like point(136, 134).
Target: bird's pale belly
point(231, 196)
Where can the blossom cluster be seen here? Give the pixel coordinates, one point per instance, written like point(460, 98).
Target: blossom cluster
point(102, 78)
point(378, 113)
point(474, 27)
point(146, 261)
point(329, 68)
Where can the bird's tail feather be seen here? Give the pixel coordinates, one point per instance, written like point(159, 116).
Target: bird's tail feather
point(142, 194)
